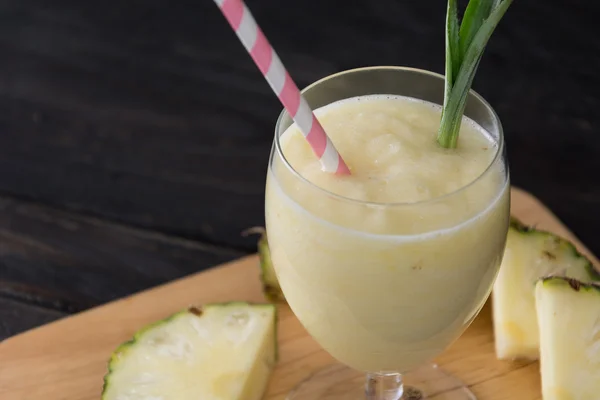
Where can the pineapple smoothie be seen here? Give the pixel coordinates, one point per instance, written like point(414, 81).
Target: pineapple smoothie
point(386, 267)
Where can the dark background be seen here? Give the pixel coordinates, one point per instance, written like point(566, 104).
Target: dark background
point(134, 135)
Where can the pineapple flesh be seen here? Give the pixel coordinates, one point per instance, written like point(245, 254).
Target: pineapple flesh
point(530, 254)
point(218, 352)
point(569, 318)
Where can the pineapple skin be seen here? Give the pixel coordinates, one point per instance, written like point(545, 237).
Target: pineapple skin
point(569, 318)
point(270, 284)
point(515, 324)
point(122, 349)
point(518, 226)
point(268, 278)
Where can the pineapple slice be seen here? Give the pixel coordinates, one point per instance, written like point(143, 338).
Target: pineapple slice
point(529, 255)
point(270, 284)
point(568, 312)
point(219, 352)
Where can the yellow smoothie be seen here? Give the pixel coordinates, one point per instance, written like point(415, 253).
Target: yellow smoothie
point(386, 267)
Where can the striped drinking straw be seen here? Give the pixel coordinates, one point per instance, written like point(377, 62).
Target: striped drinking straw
point(259, 48)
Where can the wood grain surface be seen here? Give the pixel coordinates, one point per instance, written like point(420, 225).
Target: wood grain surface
point(67, 359)
point(54, 263)
point(135, 134)
point(151, 114)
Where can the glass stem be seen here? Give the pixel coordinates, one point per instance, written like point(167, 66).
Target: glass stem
point(384, 386)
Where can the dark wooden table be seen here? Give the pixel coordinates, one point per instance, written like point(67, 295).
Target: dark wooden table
point(134, 134)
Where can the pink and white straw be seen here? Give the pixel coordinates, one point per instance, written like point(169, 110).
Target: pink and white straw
point(259, 48)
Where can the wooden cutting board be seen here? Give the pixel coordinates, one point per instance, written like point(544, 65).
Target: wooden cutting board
point(67, 359)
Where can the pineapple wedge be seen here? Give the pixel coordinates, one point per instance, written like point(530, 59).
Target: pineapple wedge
point(529, 255)
point(270, 284)
point(569, 317)
point(219, 352)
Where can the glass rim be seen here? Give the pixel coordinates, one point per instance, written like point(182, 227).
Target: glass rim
point(499, 146)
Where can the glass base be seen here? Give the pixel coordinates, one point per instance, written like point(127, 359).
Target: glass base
point(338, 382)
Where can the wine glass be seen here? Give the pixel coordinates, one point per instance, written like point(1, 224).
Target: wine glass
point(385, 304)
